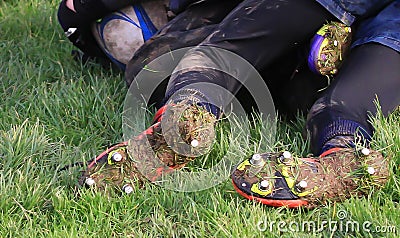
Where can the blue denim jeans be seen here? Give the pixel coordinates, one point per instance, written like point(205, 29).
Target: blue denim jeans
point(379, 20)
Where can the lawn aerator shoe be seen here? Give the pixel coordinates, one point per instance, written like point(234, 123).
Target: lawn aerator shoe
point(328, 48)
point(280, 179)
point(180, 133)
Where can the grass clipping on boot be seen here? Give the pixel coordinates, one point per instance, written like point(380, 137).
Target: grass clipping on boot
point(184, 133)
point(335, 177)
point(106, 173)
point(188, 131)
point(344, 174)
point(331, 54)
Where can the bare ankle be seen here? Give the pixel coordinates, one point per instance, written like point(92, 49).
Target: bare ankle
point(70, 4)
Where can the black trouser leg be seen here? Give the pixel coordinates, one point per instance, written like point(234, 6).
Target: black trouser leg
point(371, 72)
point(258, 31)
point(189, 28)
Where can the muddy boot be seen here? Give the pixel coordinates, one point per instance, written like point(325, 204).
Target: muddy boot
point(329, 47)
point(113, 167)
point(279, 179)
point(180, 132)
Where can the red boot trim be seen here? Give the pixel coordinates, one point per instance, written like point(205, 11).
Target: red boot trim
point(273, 202)
point(125, 143)
point(330, 151)
point(160, 112)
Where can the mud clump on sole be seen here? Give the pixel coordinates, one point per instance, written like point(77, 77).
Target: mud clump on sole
point(185, 132)
point(314, 181)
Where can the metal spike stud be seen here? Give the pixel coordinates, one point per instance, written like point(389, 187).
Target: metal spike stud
point(371, 170)
point(256, 159)
point(127, 189)
point(89, 181)
point(300, 186)
point(286, 155)
point(303, 184)
point(365, 151)
point(194, 143)
point(264, 185)
point(335, 43)
point(116, 157)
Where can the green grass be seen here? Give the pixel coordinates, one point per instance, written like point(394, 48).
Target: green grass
point(54, 111)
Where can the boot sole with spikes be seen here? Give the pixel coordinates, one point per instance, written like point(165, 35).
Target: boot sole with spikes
point(280, 179)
